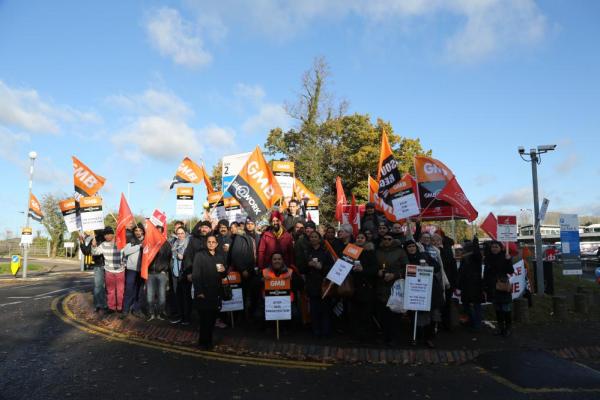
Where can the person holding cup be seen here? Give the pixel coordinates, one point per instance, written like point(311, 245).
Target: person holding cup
point(207, 273)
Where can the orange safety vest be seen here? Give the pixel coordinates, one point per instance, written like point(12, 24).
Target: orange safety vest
point(277, 285)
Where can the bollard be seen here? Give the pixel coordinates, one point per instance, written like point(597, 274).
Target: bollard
point(521, 310)
point(559, 307)
point(581, 303)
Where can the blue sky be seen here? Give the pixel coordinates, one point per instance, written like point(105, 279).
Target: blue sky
point(132, 87)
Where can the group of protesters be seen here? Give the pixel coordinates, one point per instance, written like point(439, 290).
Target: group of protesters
point(188, 272)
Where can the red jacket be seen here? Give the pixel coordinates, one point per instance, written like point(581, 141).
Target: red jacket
point(269, 244)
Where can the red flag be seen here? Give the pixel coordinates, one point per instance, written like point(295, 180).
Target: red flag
point(355, 222)
point(341, 199)
point(151, 245)
point(490, 225)
point(453, 194)
point(125, 218)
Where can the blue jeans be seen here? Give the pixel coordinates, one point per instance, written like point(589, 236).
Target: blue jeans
point(99, 288)
point(473, 310)
point(132, 289)
point(156, 285)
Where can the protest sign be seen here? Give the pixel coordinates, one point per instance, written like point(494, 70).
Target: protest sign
point(69, 212)
point(231, 166)
point(404, 204)
point(90, 211)
point(234, 211)
point(340, 270)
point(518, 280)
point(234, 280)
point(507, 228)
point(284, 173)
point(216, 203)
point(417, 287)
point(278, 300)
point(185, 201)
point(26, 236)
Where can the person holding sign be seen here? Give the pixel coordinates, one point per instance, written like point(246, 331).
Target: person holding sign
point(392, 261)
point(497, 288)
point(318, 264)
point(363, 274)
point(208, 271)
point(279, 280)
point(427, 319)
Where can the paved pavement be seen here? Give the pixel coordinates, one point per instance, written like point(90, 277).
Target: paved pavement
point(43, 357)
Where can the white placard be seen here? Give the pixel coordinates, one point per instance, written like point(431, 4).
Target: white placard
point(405, 206)
point(544, 209)
point(92, 217)
point(236, 303)
point(26, 238)
point(417, 287)
point(507, 228)
point(69, 245)
point(278, 308)
point(340, 270)
point(184, 207)
point(231, 166)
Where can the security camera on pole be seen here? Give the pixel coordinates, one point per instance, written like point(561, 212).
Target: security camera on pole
point(32, 157)
point(535, 159)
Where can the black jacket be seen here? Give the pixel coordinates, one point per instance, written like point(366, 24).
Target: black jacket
point(497, 267)
point(470, 281)
point(242, 253)
point(314, 277)
point(162, 261)
point(196, 244)
point(364, 281)
point(206, 279)
point(290, 221)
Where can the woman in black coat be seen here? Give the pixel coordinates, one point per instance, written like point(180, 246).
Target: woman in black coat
point(470, 282)
point(364, 274)
point(208, 271)
point(427, 319)
point(319, 262)
point(498, 265)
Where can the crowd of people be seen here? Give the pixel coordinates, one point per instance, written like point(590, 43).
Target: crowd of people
point(190, 269)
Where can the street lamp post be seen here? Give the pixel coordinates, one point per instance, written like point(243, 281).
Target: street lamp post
point(535, 159)
point(32, 157)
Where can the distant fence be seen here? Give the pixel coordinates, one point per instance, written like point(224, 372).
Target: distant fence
point(41, 249)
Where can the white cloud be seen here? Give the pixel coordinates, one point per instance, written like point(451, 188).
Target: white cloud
point(483, 26)
point(218, 137)
point(252, 93)
point(177, 38)
point(10, 142)
point(152, 102)
point(160, 138)
point(568, 164)
point(519, 197)
point(25, 109)
point(269, 116)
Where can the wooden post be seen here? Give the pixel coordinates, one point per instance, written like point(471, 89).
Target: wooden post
point(277, 326)
point(232, 320)
point(415, 328)
point(327, 290)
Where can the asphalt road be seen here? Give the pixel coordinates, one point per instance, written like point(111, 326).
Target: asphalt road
point(41, 357)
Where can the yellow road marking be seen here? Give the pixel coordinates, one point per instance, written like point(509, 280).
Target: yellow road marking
point(521, 389)
point(69, 317)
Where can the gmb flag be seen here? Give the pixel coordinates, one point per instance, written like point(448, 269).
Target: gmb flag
point(255, 187)
point(188, 172)
point(35, 211)
point(86, 182)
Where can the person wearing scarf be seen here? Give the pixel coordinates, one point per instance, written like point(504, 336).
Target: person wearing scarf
point(426, 319)
point(181, 286)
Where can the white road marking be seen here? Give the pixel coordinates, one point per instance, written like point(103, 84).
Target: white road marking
point(19, 297)
point(10, 304)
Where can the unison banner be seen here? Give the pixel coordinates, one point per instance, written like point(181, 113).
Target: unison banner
point(90, 210)
point(255, 187)
point(68, 209)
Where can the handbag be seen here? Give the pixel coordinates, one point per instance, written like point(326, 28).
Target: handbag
point(503, 285)
point(396, 300)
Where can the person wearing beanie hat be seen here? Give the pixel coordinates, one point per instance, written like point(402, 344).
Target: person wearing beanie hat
point(276, 238)
point(114, 278)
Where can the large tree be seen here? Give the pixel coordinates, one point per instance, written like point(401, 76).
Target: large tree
point(53, 221)
point(327, 143)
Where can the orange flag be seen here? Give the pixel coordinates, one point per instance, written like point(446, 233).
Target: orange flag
point(255, 187)
point(188, 172)
point(35, 211)
point(86, 182)
point(206, 177)
point(387, 170)
point(354, 217)
point(124, 219)
point(341, 199)
point(152, 244)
